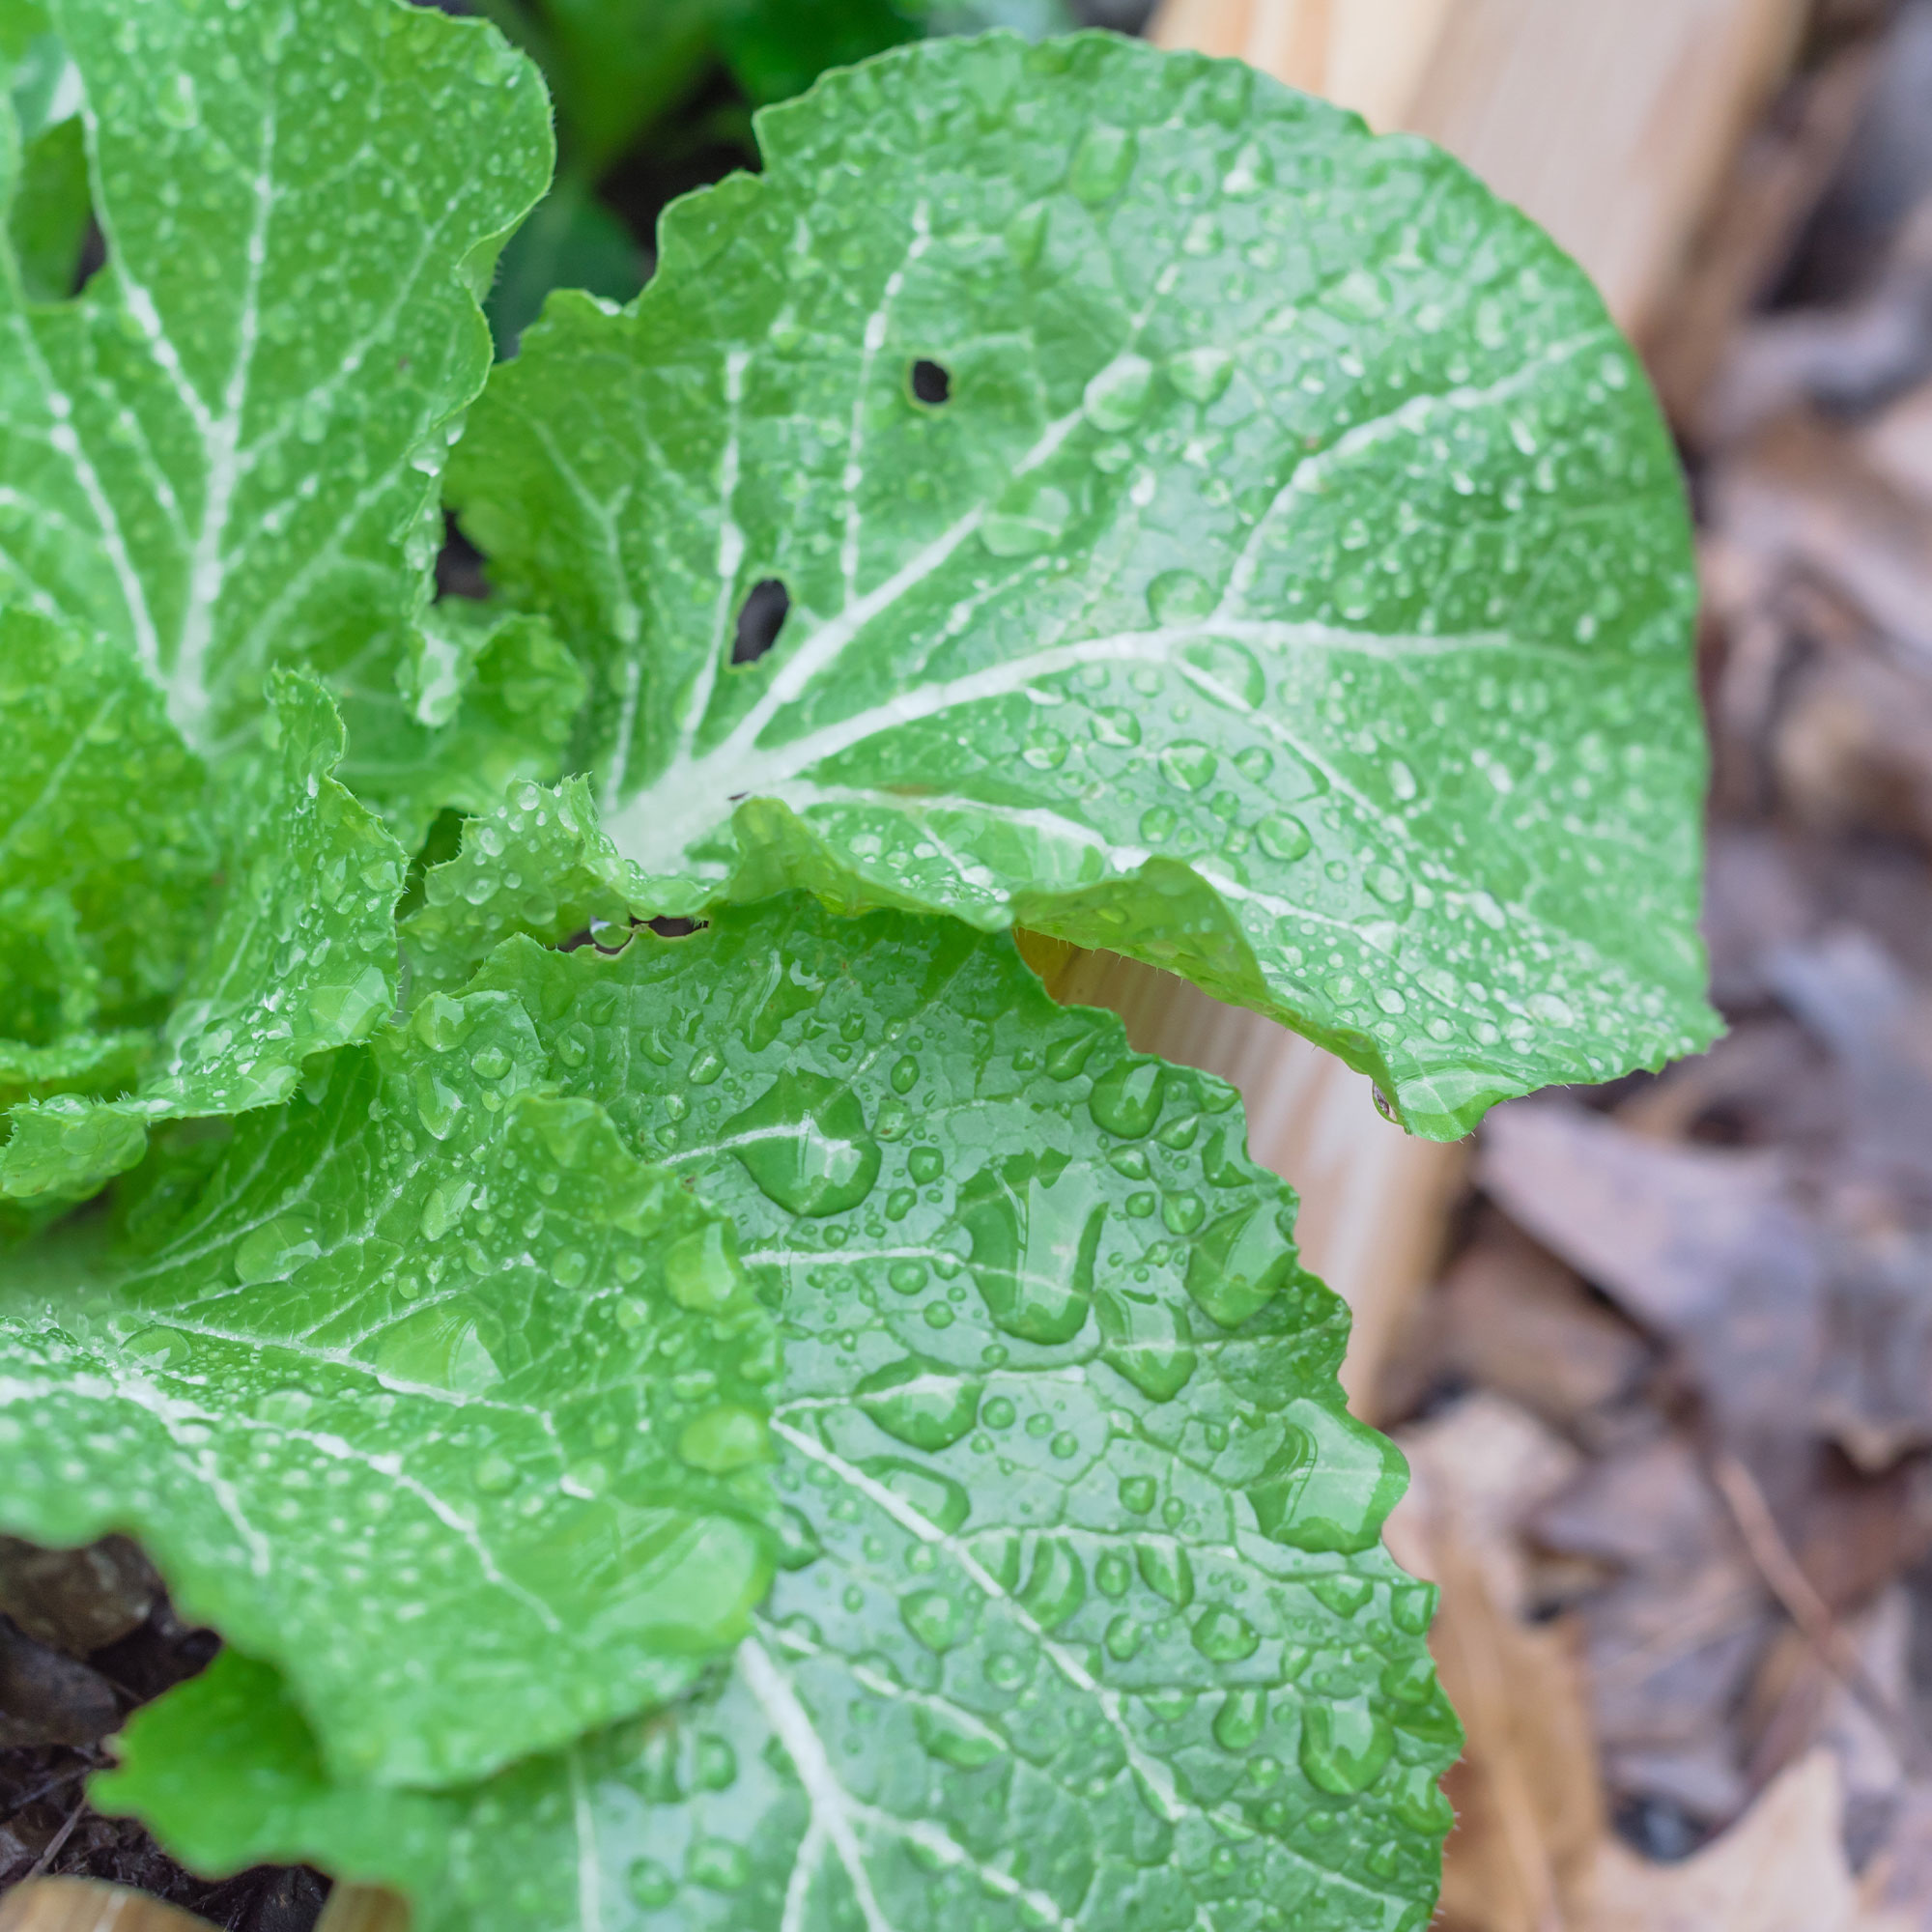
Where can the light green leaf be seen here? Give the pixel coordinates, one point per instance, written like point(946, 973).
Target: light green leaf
point(102, 807)
point(225, 453)
point(428, 1392)
point(537, 864)
point(1294, 589)
point(302, 957)
point(1082, 1620)
point(492, 698)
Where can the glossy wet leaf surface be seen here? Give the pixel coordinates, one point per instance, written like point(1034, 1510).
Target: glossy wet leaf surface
point(1292, 586)
point(299, 950)
point(224, 453)
point(107, 853)
point(1082, 1618)
point(422, 1386)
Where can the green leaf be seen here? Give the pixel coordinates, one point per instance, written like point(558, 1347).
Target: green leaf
point(1022, 1577)
point(492, 698)
point(426, 1390)
point(104, 810)
point(224, 454)
point(538, 865)
point(1082, 1619)
point(1293, 591)
point(302, 957)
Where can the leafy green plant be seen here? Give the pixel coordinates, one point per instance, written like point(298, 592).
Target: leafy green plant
point(630, 73)
point(693, 1392)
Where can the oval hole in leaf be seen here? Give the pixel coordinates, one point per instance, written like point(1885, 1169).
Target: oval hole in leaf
point(760, 620)
point(930, 382)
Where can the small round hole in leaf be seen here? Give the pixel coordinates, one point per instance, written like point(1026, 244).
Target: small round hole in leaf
point(761, 618)
point(930, 382)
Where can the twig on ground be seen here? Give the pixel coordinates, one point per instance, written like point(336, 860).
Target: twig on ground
point(1800, 1600)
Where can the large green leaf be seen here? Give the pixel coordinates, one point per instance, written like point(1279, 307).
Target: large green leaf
point(301, 954)
point(224, 454)
point(426, 1389)
point(1293, 589)
point(1082, 1620)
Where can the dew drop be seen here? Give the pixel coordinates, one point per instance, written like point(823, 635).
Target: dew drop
point(957, 1737)
point(938, 1621)
point(443, 1207)
point(1056, 1586)
point(718, 1864)
point(1283, 837)
point(1200, 374)
point(1030, 517)
point(938, 1498)
point(1233, 670)
point(717, 1765)
point(649, 1885)
point(1138, 1493)
point(1034, 1225)
point(701, 1271)
point(1344, 1747)
point(1101, 163)
point(1344, 1594)
point(1144, 1338)
point(1180, 597)
point(1239, 1722)
point(1126, 1100)
point(275, 1250)
point(1224, 1637)
point(1330, 1484)
point(1166, 1571)
point(1116, 398)
point(805, 1143)
point(1238, 1265)
point(920, 1402)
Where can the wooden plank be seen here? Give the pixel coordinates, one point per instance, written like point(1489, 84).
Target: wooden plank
point(1610, 125)
point(1370, 55)
point(86, 1905)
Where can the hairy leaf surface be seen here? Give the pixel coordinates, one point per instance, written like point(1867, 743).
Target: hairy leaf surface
point(426, 1390)
point(301, 956)
point(1208, 532)
point(1052, 1645)
point(223, 454)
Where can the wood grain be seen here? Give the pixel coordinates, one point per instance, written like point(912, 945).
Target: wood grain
point(86, 1905)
